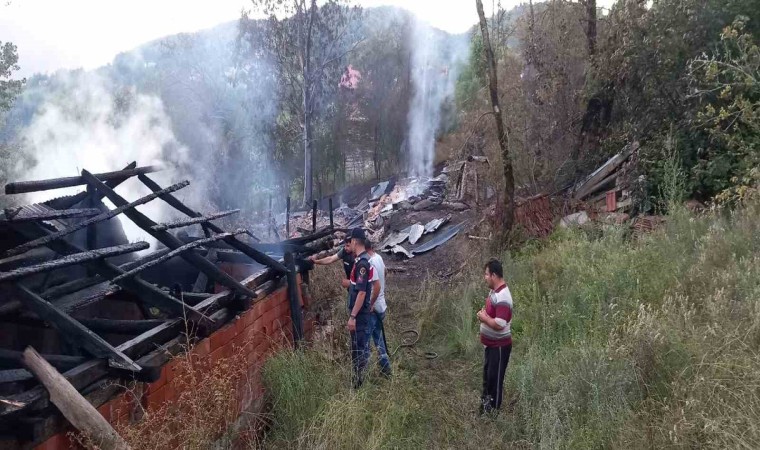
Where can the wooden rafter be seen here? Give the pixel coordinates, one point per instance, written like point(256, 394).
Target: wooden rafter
point(166, 238)
point(249, 251)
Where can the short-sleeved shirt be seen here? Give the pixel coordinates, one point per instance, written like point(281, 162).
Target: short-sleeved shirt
point(360, 282)
point(499, 307)
point(378, 269)
point(348, 260)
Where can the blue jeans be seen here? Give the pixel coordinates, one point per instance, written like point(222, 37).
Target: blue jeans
point(375, 333)
point(359, 353)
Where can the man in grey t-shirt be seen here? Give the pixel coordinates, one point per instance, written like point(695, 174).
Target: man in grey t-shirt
point(377, 301)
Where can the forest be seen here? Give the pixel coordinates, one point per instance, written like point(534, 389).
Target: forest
point(636, 329)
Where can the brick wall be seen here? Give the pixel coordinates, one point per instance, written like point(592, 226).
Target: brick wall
point(257, 333)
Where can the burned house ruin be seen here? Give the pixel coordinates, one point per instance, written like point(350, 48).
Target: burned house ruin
point(74, 288)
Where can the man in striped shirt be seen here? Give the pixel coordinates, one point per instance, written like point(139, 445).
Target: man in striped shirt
point(495, 335)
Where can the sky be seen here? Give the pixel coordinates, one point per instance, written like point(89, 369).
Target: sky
point(69, 34)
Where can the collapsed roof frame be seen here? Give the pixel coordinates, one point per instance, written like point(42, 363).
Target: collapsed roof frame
point(140, 357)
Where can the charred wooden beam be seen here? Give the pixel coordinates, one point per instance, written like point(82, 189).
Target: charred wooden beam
point(28, 258)
point(146, 291)
point(121, 208)
point(287, 218)
point(10, 359)
point(22, 215)
point(120, 326)
point(314, 217)
point(22, 187)
point(332, 225)
point(74, 200)
point(14, 375)
point(74, 259)
point(176, 252)
point(166, 238)
point(295, 304)
point(194, 220)
point(75, 408)
point(232, 241)
point(72, 331)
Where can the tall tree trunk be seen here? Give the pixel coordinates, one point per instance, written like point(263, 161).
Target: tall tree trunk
point(308, 85)
point(509, 180)
point(591, 28)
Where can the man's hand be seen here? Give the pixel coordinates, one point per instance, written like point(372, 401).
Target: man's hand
point(351, 324)
point(482, 315)
point(345, 282)
point(312, 258)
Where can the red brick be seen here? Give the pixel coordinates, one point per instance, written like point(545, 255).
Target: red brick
point(222, 336)
point(220, 354)
point(105, 411)
point(248, 317)
point(202, 348)
point(270, 316)
point(59, 441)
point(258, 309)
point(156, 399)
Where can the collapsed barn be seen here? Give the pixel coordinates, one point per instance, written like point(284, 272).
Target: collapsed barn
point(77, 291)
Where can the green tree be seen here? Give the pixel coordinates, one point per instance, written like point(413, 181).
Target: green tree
point(9, 88)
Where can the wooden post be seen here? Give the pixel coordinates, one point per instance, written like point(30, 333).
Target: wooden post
point(331, 213)
point(287, 218)
point(295, 305)
point(75, 408)
point(269, 219)
point(314, 217)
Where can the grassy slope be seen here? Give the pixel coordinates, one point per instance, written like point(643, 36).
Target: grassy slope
point(619, 343)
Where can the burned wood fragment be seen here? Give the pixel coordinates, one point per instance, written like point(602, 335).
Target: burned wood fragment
point(22, 187)
point(74, 200)
point(194, 220)
point(120, 326)
point(73, 331)
point(146, 291)
point(22, 215)
point(75, 408)
point(232, 241)
point(177, 251)
point(11, 359)
point(74, 259)
point(124, 207)
point(166, 238)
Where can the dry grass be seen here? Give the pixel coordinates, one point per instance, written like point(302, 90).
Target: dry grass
point(649, 343)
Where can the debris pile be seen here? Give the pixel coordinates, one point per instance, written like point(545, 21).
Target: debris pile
point(606, 189)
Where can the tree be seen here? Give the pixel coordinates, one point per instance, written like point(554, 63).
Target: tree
point(307, 43)
point(9, 88)
point(509, 180)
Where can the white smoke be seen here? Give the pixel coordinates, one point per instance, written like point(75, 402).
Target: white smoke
point(83, 124)
point(436, 61)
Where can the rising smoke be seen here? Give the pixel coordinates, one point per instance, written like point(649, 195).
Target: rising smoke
point(436, 61)
point(86, 124)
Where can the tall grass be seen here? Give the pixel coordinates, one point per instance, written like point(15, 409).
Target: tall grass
point(619, 343)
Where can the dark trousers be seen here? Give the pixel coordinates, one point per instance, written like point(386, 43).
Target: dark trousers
point(494, 368)
point(359, 353)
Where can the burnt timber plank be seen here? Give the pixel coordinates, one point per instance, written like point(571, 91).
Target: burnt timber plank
point(194, 220)
point(146, 291)
point(74, 259)
point(27, 216)
point(22, 187)
point(176, 252)
point(122, 208)
point(166, 238)
point(120, 326)
point(74, 200)
point(254, 254)
point(73, 331)
point(11, 359)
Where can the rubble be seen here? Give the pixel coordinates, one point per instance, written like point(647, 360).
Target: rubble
point(416, 233)
point(397, 249)
point(579, 218)
point(439, 239)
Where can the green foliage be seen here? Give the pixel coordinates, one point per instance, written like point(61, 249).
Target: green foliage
point(619, 343)
point(473, 76)
point(728, 82)
point(9, 88)
point(645, 71)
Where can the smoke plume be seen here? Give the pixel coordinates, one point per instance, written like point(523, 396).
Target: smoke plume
point(436, 61)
